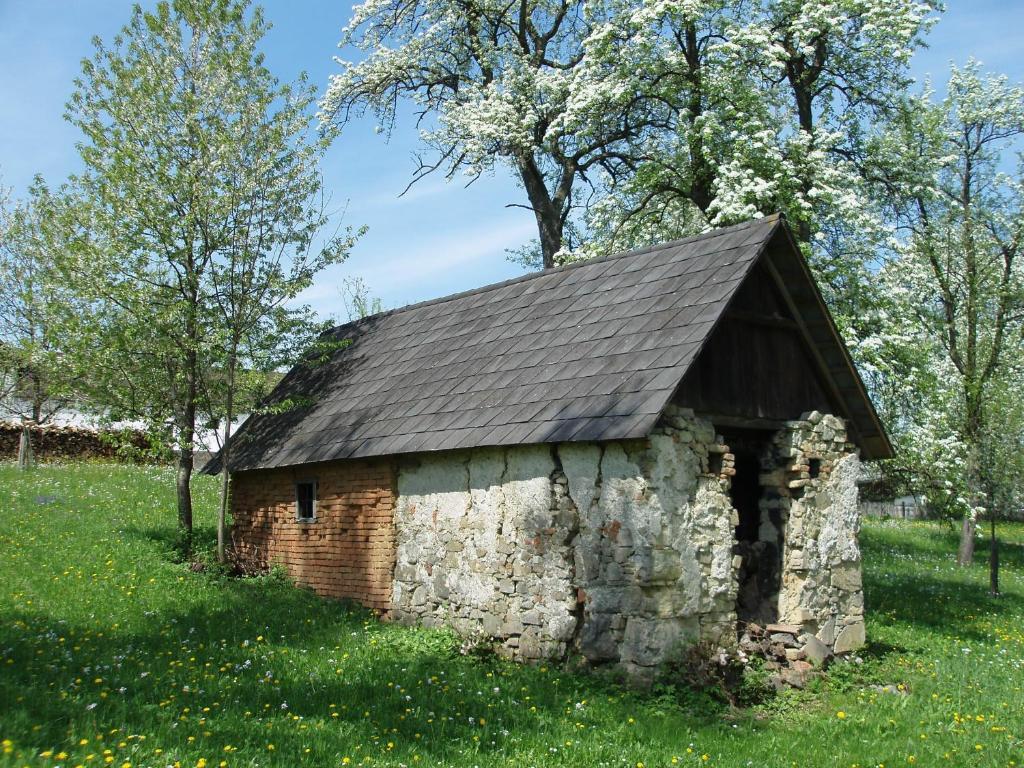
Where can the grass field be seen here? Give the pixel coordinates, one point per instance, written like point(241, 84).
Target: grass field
point(113, 654)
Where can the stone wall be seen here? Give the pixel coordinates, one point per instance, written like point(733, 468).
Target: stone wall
point(484, 545)
point(620, 552)
point(654, 554)
point(821, 568)
point(347, 552)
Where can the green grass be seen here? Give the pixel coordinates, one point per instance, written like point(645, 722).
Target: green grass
point(112, 653)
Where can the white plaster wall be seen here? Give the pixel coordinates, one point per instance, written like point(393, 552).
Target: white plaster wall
point(620, 552)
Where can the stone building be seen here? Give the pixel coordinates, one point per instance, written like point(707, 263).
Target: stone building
point(607, 460)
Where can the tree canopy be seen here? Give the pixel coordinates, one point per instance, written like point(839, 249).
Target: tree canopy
point(205, 209)
point(628, 122)
point(954, 289)
point(40, 365)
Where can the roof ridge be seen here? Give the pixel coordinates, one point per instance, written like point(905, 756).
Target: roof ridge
point(772, 217)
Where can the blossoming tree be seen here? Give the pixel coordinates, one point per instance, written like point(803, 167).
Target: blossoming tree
point(957, 279)
point(655, 118)
point(40, 368)
point(535, 85)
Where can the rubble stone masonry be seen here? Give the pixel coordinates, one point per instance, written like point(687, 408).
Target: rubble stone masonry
point(620, 552)
point(623, 552)
point(821, 563)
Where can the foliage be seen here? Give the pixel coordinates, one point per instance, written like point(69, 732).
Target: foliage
point(133, 447)
point(107, 643)
point(41, 369)
point(525, 85)
point(629, 122)
point(719, 673)
point(767, 106)
point(1004, 454)
point(204, 211)
point(955, 292)
point(358, 300)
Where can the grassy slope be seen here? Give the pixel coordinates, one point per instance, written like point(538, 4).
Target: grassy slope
point(112, 654)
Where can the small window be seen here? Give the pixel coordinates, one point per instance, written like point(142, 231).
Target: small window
point(715, 463)
point(814, 466)
point(305, 500)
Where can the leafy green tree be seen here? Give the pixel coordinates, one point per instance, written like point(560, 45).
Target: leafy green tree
point(1003, 453)
point(40, 371)
point(206, 211)
point(269, 262)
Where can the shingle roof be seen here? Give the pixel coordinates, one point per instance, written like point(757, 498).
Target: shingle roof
point(590, 351)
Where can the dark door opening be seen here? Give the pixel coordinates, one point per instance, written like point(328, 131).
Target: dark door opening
point(758, 535)
point(746, 494)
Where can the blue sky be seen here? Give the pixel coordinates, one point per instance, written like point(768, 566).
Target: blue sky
point(438, 239)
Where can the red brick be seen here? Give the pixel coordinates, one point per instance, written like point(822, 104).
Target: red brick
point(349, 552)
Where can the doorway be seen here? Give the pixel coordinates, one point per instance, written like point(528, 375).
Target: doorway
point(759, 531)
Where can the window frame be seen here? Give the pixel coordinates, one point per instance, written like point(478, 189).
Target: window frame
point(310, 481)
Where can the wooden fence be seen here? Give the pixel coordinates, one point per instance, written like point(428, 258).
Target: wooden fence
point(902, 510)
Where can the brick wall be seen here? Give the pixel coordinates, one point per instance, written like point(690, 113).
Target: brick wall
point(348, 552)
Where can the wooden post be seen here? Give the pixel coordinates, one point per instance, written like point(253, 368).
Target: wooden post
point(993, 558)
point(966, 552)
point(25, 458)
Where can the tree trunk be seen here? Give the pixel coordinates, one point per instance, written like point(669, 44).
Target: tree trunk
point(549, 226)
point(26, 459)
point(546, 212)
point(803, 79)
point(965, 555)
point(993, 558)
point(183, 485)
point(222, 513)
point(702, 182)
point(186, 456)
point(225, 450)
point(975, 494)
